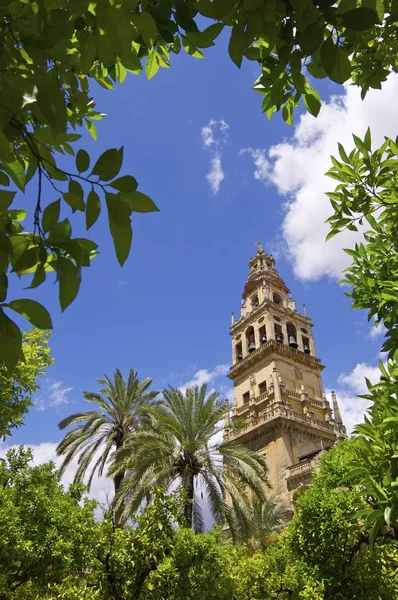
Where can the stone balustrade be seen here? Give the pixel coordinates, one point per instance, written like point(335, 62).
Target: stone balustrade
point(301, 468)
point(277, 411)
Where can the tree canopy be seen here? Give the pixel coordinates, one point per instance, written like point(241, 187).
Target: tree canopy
point(17, 387)
point(52, 51)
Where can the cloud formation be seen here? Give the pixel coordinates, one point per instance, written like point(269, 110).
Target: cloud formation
point(350, 385)
point(297, 166)
point(51, 395)
point(205, 376)
point(376, 332)
point(214, 137)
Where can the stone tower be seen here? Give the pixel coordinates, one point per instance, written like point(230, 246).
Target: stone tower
point(278, 395)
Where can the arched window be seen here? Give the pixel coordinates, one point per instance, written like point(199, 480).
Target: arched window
point(291, 335)
point(254, 300)
point(278, 333)
point(251, 345)
point(277, 298)
point(263, 335)
point(238, 352)
point(306, 345)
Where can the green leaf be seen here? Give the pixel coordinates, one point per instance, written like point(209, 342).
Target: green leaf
point(376, 529)
point(152, 65)
point(360, 19)
point(312, 101)
point(147, 27)
point(88, 52)
point(316, 70)
point(311, 38)
point(235, 45)
point(69, 282)
point(38, 278)
point(75, 196)
point(206, 37)
point(50, 215)
point(287, 113)
point(18, 214)
point(328, 55)
point(16, 172)
point(343, 154)
point(342, 67)
point(139, 202)
point(26, 261)
point(82, 161)
point(93, 209)
point(60, 233)
point(10, 341)
point(51, 101)
point(32, 311)
point(6, 198)
point(91, 128)
point(368, 140)
point(127, 183)
point(109, 163)
point(119, 226)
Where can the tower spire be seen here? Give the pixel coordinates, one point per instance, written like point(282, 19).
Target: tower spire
point(259, 246)
point(336, 409)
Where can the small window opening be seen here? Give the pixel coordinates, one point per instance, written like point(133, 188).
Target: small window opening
point(306, 345)
point(262, 387)
point(254, 300)
point(291, 335)
point(251, 346)
point(277, 298)
point(263, 335)
point(246, 397)
point(238, 351)
point(278, 333)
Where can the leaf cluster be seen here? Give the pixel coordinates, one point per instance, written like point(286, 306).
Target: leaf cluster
point(52, 53)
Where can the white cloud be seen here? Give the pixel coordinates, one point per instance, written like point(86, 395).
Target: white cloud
point(205, 376)
point(215, 133)
point(123, 282)
point(356, 379)
point(101, 488)
point(214, 136)
point(263, 168)
point(350, 385)
point(297, 168)
point(376, 332)
point(216, 173)
point(52, 394)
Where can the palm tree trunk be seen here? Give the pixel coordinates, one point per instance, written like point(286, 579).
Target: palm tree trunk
point(117, 482)
point(118, 512)
point(188, 507)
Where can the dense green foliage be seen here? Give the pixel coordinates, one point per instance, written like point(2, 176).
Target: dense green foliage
point(46, 534)
point(181, 442)
point(367, 196)
point(52, 50)
point(324, 554)
point(17, 387)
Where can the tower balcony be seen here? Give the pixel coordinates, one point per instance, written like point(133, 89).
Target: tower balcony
point(271, 416)
point(272, 346)
point(301, 471)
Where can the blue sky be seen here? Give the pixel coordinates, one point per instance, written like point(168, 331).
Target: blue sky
point(167, 312)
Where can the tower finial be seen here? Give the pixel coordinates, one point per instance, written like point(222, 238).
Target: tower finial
point(259, 246)
point(336, 409)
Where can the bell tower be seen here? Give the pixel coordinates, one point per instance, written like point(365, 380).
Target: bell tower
point(279, 402)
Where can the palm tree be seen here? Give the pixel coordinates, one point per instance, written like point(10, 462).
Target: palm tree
point(266, 519)
point(182, 442)
point(99, 432)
